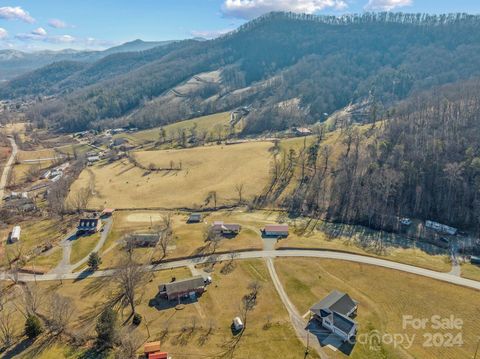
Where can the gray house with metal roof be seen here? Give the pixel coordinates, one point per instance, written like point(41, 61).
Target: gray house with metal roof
point(177, 289)
point(335, 313)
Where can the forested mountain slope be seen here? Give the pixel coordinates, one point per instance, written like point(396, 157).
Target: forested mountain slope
point(319, 64)
point(422, 162)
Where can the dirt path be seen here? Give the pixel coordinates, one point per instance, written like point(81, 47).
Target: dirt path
point(7, 169)
point(299, 324)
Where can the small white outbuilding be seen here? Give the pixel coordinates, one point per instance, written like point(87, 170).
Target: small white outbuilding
point(15, 237)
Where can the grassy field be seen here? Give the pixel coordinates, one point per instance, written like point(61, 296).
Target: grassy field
point(70, 149)
point(384, 296)
point(471, 271)
point(204, 169)
point(321, 240)
point(20, 171)
point(82, 246)
point(36, 233)
point(204, 123)
point(188, 238)
point(268, 333)
point(35, 155)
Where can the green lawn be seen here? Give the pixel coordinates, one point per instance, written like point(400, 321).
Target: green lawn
point(82, 246)
point(471, 271)
point(46, 262)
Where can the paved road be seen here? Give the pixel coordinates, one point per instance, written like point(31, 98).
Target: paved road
point(445, 277)
point(299, 324)
point(6, 170)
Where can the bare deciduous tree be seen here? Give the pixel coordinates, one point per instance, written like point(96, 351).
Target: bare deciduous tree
point(130, 341)
point(60, 312)
point(7, 328)
point(239, 188)
point(128, 277)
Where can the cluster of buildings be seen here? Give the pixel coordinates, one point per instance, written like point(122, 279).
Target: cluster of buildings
point(153, 350)
point(226, 229)
point(55, 174)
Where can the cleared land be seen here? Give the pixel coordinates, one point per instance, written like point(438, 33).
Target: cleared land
point(204, 123)
point(35, 155)
point(204, 170)
point(188, 239)
point(268, 333)
point(82, 246)
point(471, 271)
point(384, 296)
point(355, 244)
point(36, 234)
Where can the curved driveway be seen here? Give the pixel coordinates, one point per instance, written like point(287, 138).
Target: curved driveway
point(445, 277)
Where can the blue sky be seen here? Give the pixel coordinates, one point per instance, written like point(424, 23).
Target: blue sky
point(93, 24)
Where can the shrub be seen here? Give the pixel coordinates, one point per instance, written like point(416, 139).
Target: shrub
point(137, 319)
point(33, 327)
point(94, 261)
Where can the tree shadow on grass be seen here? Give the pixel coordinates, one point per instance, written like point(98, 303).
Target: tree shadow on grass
point(94, 353)
point(31, 347)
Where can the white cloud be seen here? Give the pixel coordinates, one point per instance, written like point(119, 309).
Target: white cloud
point(3, 33)
point(57, 23)
point(209, 34)
point(248, 9)
point(65, 39)
point(15, 13)
point(39, 31)
point(37, 35)
point(386, 5)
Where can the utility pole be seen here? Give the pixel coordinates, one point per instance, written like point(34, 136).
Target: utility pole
point(476, 350)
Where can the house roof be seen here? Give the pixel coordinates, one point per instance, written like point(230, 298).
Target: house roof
point(88, 222)
point(158, 355)
point(195, 215)
point(151, 347)
point(276, 228)
point(334, 302)
point(182, 286)
point(342, 322)
point(226, 226)
point(153, 237)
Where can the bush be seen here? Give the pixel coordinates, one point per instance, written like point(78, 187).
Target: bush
point(33, 327)
point(137, 319)
point(94, 261)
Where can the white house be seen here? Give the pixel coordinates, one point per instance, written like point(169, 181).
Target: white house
point(335, 313)
point(15, 236)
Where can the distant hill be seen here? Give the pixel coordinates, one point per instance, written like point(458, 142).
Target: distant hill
point(15, 63)
point(135, 46)
point(290, 69)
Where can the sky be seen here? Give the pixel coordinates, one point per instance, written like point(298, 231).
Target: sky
point(31, 25)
